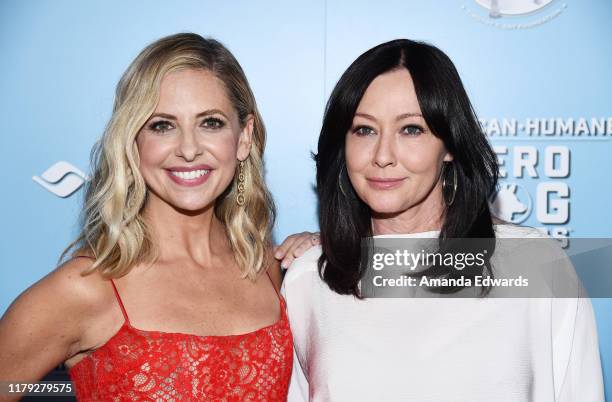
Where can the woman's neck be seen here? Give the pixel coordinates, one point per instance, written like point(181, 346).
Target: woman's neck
point(196, 235)
point(428, 215)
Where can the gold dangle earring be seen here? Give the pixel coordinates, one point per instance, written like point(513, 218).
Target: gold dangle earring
point(240, 196)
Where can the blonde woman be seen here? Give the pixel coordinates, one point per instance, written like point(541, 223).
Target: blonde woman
point(171, 291)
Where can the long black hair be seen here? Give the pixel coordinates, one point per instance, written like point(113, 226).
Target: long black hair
point(344, 219)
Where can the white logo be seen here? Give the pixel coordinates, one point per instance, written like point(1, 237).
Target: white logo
point(62, 179)
point(506, 204)
point(497, 8)
point(524, 13)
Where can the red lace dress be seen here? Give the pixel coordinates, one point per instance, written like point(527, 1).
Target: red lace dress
point(138, 365)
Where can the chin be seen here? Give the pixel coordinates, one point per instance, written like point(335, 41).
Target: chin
point(386, 208)
point(191, 205)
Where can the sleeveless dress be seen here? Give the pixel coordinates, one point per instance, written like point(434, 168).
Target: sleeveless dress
point(139, 365)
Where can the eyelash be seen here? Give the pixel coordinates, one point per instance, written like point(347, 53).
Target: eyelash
point(359, 130)
point(162, 126)
point(413, 126)
point(218, 123)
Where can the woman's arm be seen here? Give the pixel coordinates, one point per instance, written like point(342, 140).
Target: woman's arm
point(43, 327)
point(298, 287)
point(298, 387)
point(577, 365)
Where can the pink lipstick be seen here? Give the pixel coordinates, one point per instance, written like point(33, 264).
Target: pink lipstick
point(380, 183)
point(189, 176)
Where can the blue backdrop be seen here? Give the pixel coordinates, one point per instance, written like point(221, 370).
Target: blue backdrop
point(538, 75)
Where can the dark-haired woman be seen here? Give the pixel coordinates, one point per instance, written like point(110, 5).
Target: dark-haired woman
point(401, 154)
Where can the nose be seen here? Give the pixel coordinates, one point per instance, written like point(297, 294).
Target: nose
point(384, 154)
point(189, 147)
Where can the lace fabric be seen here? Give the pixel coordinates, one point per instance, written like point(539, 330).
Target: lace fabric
point(139, 365)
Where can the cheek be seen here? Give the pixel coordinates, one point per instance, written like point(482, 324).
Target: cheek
point(152, 152)
point(222, 153)
point(358, 154)
point(224, 148)
point(423, 158)
point(419, 163)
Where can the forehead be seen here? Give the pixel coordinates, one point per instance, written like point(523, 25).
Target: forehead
point(192, 90)
point(391, 93)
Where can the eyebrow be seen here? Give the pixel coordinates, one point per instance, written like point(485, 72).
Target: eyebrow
point(398, 118)
point(201, 114)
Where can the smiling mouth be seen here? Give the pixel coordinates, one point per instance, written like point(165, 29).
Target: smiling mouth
point(189, 178)
point(384, 183)
point(194, 174)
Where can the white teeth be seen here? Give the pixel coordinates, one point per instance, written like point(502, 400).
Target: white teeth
point(194, 174)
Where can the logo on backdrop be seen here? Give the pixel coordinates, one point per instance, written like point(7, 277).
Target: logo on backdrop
point(61, 179)
point(512, 203)
point(535, 151)
point(524, 13)
point(499, 8)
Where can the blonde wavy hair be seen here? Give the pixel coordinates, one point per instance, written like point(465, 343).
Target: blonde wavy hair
point(113, 231)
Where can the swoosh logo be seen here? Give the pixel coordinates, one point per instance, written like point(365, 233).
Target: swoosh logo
point(61, 179)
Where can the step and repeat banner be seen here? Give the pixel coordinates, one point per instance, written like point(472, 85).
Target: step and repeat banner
point(537, 72)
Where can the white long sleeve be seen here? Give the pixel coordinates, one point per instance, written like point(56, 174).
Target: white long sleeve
point(298, 387)
point(578, 375)
point(438, 350)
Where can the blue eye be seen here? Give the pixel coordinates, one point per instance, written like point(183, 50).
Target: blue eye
point(412, 129)
point(364, 130)
point(160, 126)
point(213, 123)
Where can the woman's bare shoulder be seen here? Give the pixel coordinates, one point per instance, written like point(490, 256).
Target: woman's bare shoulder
point(70, 290)
point(52, 320)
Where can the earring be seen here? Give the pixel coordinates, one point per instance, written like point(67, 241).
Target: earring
point(240, 196)
point(448, 200)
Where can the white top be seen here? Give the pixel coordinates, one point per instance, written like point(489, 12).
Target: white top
point(438, 350)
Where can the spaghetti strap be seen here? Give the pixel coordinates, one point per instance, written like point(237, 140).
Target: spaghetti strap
point(125, 316)
point(274, 286)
